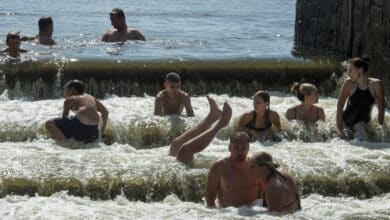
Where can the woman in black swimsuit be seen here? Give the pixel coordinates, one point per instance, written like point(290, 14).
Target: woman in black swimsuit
point(258, 123)
point(307, 93)
point(362, 92)
point(279, 190)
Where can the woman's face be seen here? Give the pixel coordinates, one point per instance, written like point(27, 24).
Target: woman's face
point(354, 73)
point(259, 104)
point(313, 97)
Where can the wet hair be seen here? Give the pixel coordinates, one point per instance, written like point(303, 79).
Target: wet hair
point(302, 89)
point(263, 95)
point(12, 35)
point(118, 12)
point(360, 62)
point(239, 135)
point(76, 85)
point(44, 23)
point(265, 159)
point(172, 77)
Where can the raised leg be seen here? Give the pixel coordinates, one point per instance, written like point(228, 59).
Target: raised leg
point(200, 142)
point(213, 115)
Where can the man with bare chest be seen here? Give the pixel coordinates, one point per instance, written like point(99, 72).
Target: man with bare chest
point(120, 32)
point(172, 99)
point(84, 125)
point(230, 180)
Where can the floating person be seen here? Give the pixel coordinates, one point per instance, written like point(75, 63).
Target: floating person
point(13, 44)
point(362, 92)
point(279, 191)
point(121, 32)
point(231, 179)
point(307, 111)
point(84, 125)
point(197, 138)
point(258, 122)
point(44, 37)
point(171, 100)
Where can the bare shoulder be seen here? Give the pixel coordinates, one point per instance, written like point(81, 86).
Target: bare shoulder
point(184, 96)
point(273, 114)
point(219, 165)
point(348, 83)
point(375, 82)
point(134, 34)
point(161, 94)
point(246, 117)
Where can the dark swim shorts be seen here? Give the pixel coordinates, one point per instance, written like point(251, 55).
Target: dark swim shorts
point(73, 128)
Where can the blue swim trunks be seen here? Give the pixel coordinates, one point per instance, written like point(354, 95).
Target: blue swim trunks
point(73, 128)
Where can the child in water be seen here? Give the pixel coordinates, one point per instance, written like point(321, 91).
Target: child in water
point(13, 42)
point(171, 100)
point(84, 125)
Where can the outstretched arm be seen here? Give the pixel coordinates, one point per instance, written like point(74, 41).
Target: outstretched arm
point(103, 110)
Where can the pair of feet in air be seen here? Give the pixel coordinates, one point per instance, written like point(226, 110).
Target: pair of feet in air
point(215, 114)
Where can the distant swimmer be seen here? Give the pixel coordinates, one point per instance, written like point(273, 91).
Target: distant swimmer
point(231, 180)
point(172, 99)
point(13, 42)
point(44, 36)
point(259, 122)
point(307, 111)
point(84, 125)
point(121, 32)
point(200, 136)
point(362, 92)
point(279, 191)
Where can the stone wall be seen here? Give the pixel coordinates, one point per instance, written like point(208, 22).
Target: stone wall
point(346, 28)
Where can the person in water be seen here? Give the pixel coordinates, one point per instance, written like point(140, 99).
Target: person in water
point(171, 100)
point(307, 111)
point(279, 191)
point(13, 44)
point(44, 37)
point(84, 125)
point(121, 32)
point(258, 123)
point(362, 92)
point(200, 136)
point(231, 180)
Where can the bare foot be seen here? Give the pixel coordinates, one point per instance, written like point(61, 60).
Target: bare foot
point(225, 116)
point(215, 112)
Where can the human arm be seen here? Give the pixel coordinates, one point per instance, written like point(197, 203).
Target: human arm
point(344, 93)
point(212, 185)
point(275, 120)
point(103, 110)
point(158, 105)
point(273, 198)
point(380, 100)
point(321, 114)
point(290, 113)
point(27, 38)
point(188, 106)
point(68, 104)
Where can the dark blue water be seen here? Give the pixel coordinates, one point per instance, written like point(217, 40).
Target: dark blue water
point(175, 29)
